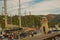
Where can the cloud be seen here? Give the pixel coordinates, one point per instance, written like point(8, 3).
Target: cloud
point(37, 7)
point(45, 7)
point(24, 1)
point(13, 5)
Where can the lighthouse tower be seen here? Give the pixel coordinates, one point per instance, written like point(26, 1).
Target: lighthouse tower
point(44, 26)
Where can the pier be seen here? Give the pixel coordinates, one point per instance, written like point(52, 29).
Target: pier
point(51, 36)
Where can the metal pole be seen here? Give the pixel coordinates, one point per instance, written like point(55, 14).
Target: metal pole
point(2, 10)
point(11, 19)
point(30, 13)
point(5, 11)
point(25, 13)
point(19, 17)
point(19, 13)
point(30, 18)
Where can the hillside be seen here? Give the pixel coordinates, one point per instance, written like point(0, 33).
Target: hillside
point(31, 20)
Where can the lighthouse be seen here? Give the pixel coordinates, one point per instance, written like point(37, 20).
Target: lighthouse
point(44, 25)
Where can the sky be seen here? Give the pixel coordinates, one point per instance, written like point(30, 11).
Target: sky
point(36, 7)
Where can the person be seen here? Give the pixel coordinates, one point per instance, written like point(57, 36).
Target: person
point(15, 36)
point(44, 30)
point(32, 34)
point(23, 35)
point(1, 36)
point(10, 37)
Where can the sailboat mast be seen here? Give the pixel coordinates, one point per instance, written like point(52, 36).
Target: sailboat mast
point(19, 13)
point(5, 12)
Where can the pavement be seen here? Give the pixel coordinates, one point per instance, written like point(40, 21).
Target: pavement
point(37, 37)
